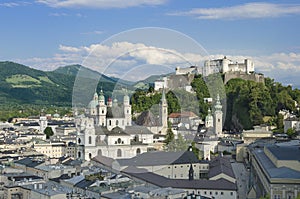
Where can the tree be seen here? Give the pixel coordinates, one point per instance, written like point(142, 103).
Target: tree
point(291, 132)
point(170, 136)
point(48, 131)
point(179, 144)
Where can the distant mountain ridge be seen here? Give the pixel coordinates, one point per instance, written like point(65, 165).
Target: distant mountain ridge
point(22, 84)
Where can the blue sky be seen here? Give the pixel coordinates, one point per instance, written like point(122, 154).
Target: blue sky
point(45, 34)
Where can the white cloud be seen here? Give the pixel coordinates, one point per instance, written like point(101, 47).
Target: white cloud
point(56, 14)
point(121, 57)
point(95, 32)
point(100, 3)
point(14, 4)
point(249, 10)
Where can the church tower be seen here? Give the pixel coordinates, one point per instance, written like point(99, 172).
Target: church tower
point(92, 107)
point(163, 111)
point(102, 110)
point(209, 120)
point(127, 110)
point(218, 117)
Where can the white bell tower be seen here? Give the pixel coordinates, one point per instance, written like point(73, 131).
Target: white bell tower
point(163, 111)
point(218, 118)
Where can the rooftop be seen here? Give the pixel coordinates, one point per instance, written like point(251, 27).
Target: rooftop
point(285, 152)
point(271, 170)
point(160, 158)
point(161, 181)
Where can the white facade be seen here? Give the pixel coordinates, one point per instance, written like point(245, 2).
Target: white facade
point(50, 149)
point(291, 122)
point(161, 84)
point(107, 131)
point(111, 114)
point(225, 65)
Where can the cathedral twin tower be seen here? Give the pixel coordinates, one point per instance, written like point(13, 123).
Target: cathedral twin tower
point(113, 114)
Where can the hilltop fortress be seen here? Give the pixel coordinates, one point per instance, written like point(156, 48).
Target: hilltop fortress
point(228, 68)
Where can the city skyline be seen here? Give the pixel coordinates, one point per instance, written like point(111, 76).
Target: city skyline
point(46, 34)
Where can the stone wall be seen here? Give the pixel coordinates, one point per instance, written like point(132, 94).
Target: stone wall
point(253, 76)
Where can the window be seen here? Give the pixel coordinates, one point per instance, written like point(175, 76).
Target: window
point(119, 153)
point(138, 151)
point(205, 192)
point(117, 122)
point(90, 155)
point(102, 111)
point(222, 193)
point(90, 139)
point(79, 140)
point(210, 193)
point(79, 154)
point(216, 193)
point(231, 193)
point(99, 152)
point(119, 140)
point(109, 122)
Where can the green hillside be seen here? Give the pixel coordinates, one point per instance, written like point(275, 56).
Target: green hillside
point(248, 103)
point(21, 84)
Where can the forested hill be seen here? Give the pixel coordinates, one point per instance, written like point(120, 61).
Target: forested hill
point(21, 84)
point(248, 103)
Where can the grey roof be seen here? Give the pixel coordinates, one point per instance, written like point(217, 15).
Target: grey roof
point(285, 152)
point(115, 112)
point(117, 195)
point(138, 130)
point(220, 165)
point(84, 183)
point(205, 134)
point(101, 130)
point(160, 158)
point(271, 170)
point(147, 118)
point(49, 188)
point(29, 162)
point(161, 181)
point(21, 176)
point(75, 179)
point(103, 160)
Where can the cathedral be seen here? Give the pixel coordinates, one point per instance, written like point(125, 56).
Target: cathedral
point(107, 129)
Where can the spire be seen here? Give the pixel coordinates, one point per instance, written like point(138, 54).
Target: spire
point(101, 96)
point(163, 97)
point(218, 105)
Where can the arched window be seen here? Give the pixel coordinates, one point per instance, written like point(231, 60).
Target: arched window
point(119, 153)
point(136, 138)
point(79, 140)
point(109, 122)
point(99, 152)
point(79, 154)
point(98, 139)
point(138, 151)
point(90, 139)
point(90, 155)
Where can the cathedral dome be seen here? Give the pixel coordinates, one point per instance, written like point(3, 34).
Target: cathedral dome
point(101, 96)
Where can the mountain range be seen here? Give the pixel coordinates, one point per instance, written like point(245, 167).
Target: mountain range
point(24, 85)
